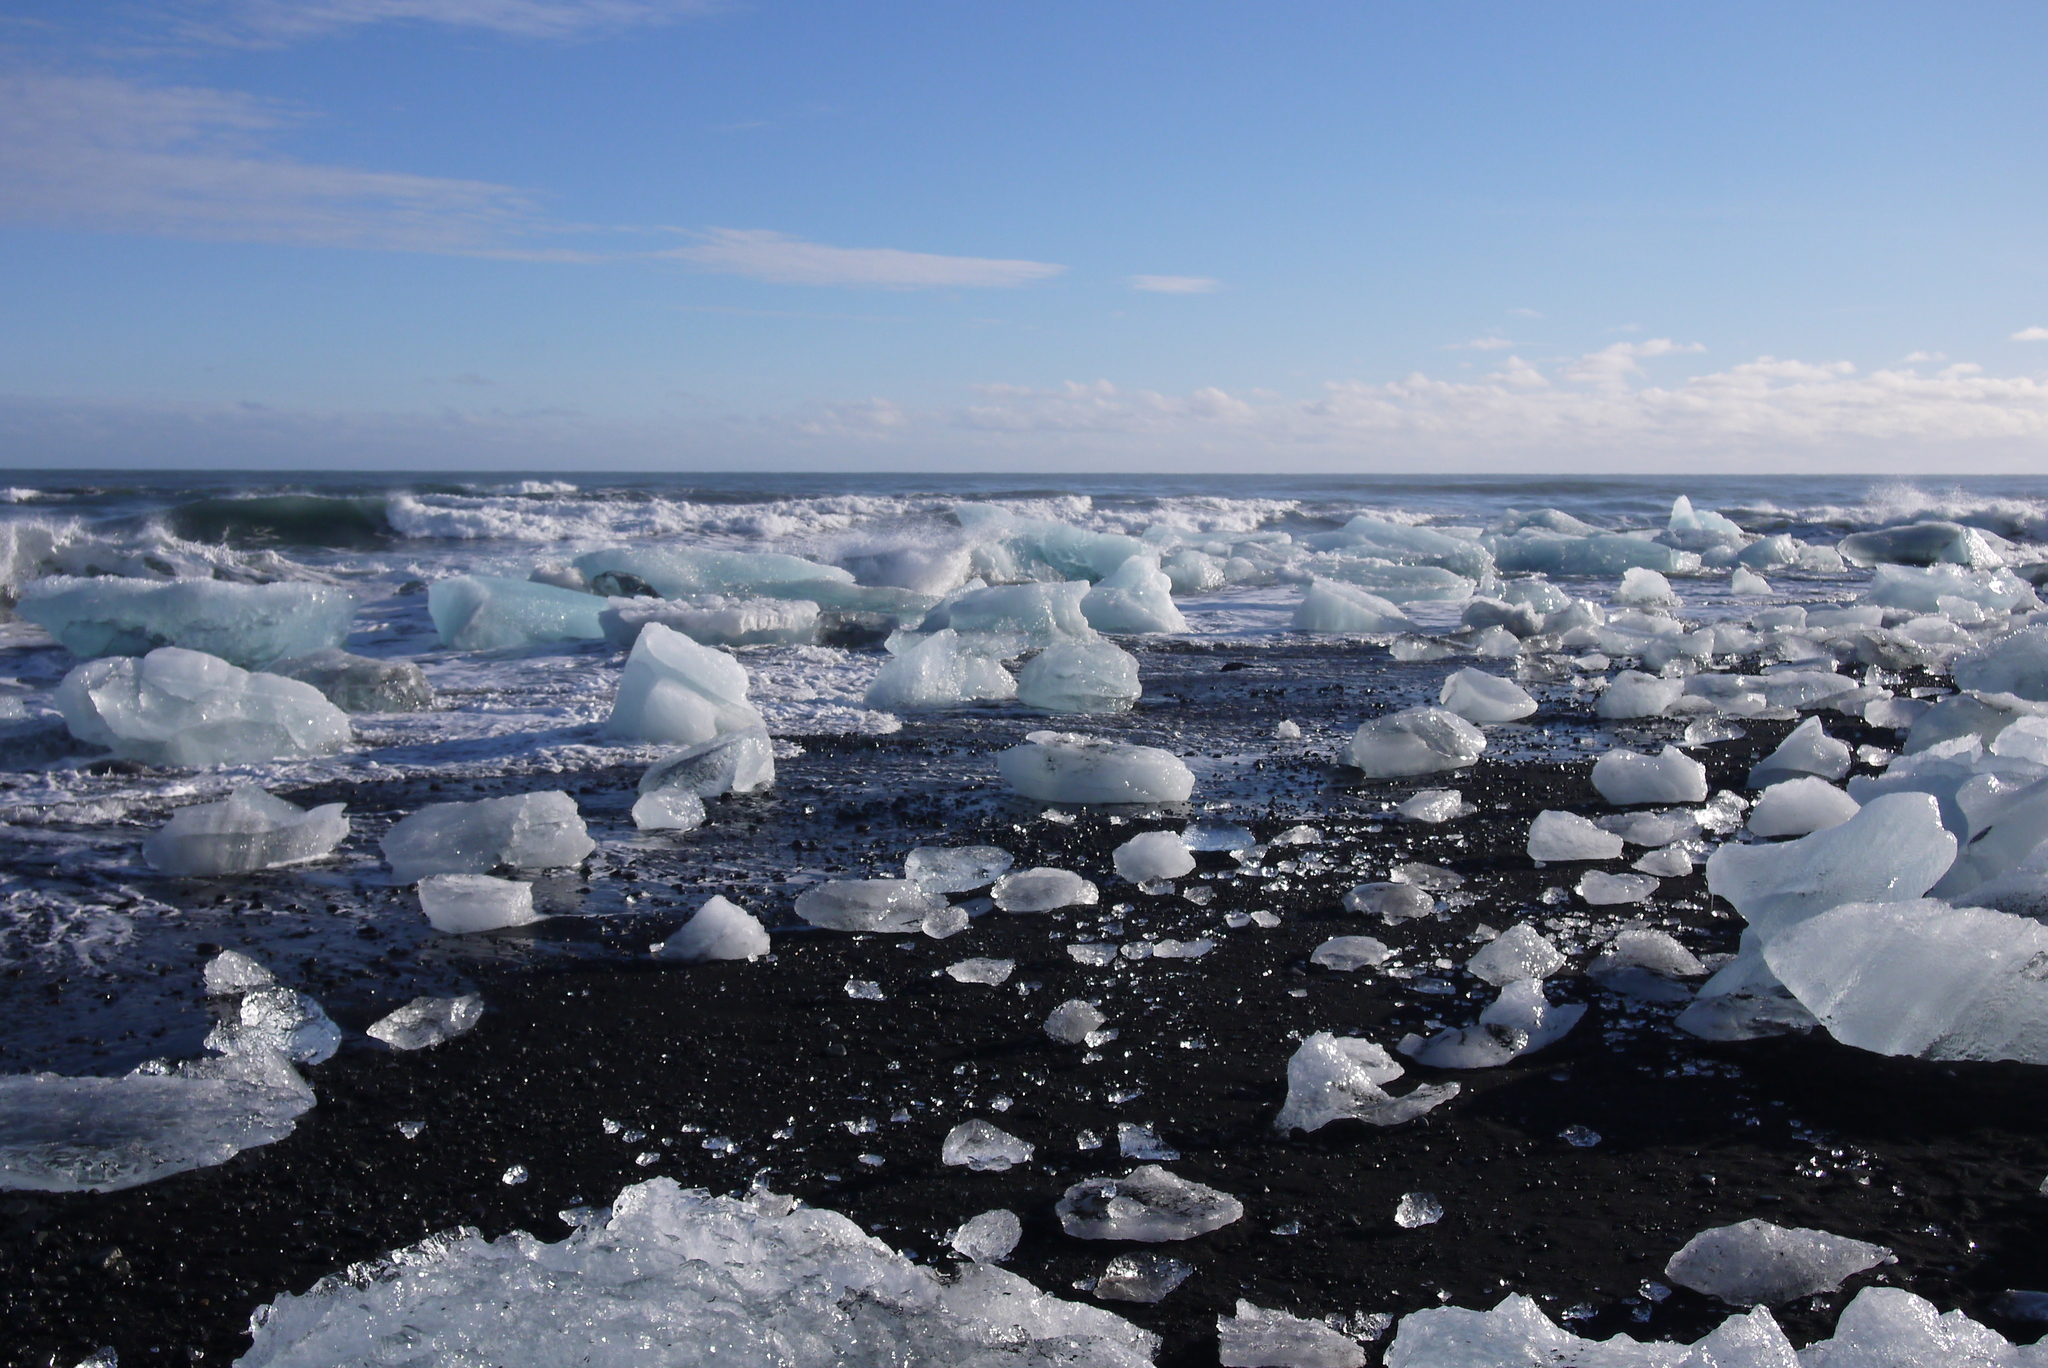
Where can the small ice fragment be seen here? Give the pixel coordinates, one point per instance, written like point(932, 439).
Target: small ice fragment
point(1478, 696)
point(1145, 1277)
point(1156, 888)
point(1179, 949)
point(1147, 1204)
point(1418, 1209)
point(1073, 1021)
point(980, 1146)
point(1435, 805)
point(279, 1019)
point(720, 930)
point(459, 904)
point(1429, 877)
point(1096, 954)
point(1201, 895)
point(1754, 1262)
point(989, 1237)
point(1391, 901)
point(1747, 583)
point(1265, 920)
point(1066, 767)
point(428, 1021)
point(1152, 856)
point(1044, 890)
point(1626, 777)
point(960, 869)
point(868, 905)
point(864, 990)
point(1346, 953)
point(1333, 1078)
point(360, 684)
point(1415, 741)
point(1135, 1140)
point(1521, 1020)
point(1286, 729)
point(1520, 952)
point(981, 970)
point(412, 1130)
point(514, 1176)
point(232, 972)
point(944, 922)
point(1648, 949)
point(873, 1160)
point(1558, 835)
point(1258, 1338)
point(1089, 1140)
point(1207, 833)
point(1298, 835)
point(525, 830)
point(1601, 889)
point(1579, 1137)
point(249, 830)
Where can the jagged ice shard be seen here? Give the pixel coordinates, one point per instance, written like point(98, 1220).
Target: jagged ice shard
point(1065, 767)
point(1134, 598)
point(1255, 1337)
point(524, 830)
point(249, 830)
point(1147, 1204)
point(180, 707)
point(1332, 1078)
point(683, 1278)
point(736, 762)
point(676, 691)
point(428, 1021)
point(248, 625)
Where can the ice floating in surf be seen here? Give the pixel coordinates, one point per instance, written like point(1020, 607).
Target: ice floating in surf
point(360, 684)
point(492, 613)
point(248, 625)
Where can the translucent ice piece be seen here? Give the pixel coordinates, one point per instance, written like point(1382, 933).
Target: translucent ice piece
point(247, 831)
point(428, 1021)
point(179, 707)
point(1626, 777)
point(1329, 606)
point(719, 930)
point(281, 1020)
point(1601, 889)
point(676, 691)
point(1755, 1262)
point(1147, 1204)
point(1478, 696)
point(978, 1145)
point(1521, 1020)
point(1073, 1021)
point(735, 762)
point(989, 1237)
point(1520, 952)
point(1415, 741)
point(677, 572)
point(1635, 694)
point(713, 620)
point(1258, 1338)
point(1043, 890)
point(1063, 767)
point(248, 625)
point(1435, 805)
point(1556, 835)
point(956, 869)
point(1080, 677)
point(1144, 1277)
point(1136, 597)
point(1153, 855)
point(524, 830)
point(668, 810)
point(945, 670)
point(867, 905)
point(1346, 953)
point(981, 970)
point(360, 684)
point(1893, 849)
point(1333, 1078)
point(491, 613)
point(1800, 807)
point(1808, 750)
point(462, 904)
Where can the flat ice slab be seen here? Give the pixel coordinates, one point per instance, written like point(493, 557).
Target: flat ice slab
point(428, 1021)
point(463, 904)
point(868, 905)
point(1255, 1337)
point(735, 762)
point(360, 684)
point(492, 613)
point(244, 624)
point(180, 707)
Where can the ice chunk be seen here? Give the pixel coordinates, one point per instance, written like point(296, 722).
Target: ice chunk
point(1258, 1338)
point(676, 1277)
point(943, 922)
point(1028, 614)
point(281, 1020)
point(981, 971)
point(676, 572)
point(1478, 696)
point(1415, 741)
point(942, 671)
point(248, 625)
point(719, 930)
point(1043, 890)
point(868, 904)
point(736, 762)
point(668, 810)
point(1153, 855)
point(180, 707)
point(428, 1021)
point(1209, 833)
point(1333, 1078)
point(1135, 1140)
point(231, 973)
point(956, 869)
point(714, 620)
point(1892, 850)
point(1648, 949)
point(1602, 553)
point(1624, 776)
point(1808, 750)
point(249, 830)
point(1080, 677)
point(1645, 588)
point(1073, 1021)
point(1408, 545)
point(674, 690)
point(1601, 889)
point(1673, 861)
point(1517, 1332)
point(360, 684)
point(61, 1134)
point(1799, 807)
point(1065, 767)
point(2016, 664)
point(1147, 1204)
point(1558, 835)
point(1435, 805)
point(1945, 589)
point(1417, 1209)
point(1145, 1276)
point(1635, 694)
point(1346, 953)
point(525, 830)
point(460, 904)
point(1921, 978)
point(491, 613)
point(1328, 606)
point(1919, 543)
point(989, 1237)
point(1986, 716)
point(982, 1147)
point(1652, 828)
point(1391, 901)
point(1287, 729)
point(1746, 583)
point(1135, 597)
point(1520, 952)
point(1519, 1021)
point(1755, 1262)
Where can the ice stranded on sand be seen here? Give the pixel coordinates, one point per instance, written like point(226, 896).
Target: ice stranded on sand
point(1147, 1204)
point(1755, 1262)
point(1333, 1078)
point(676, 691)
point(249, 830)
point(1258, 1338)
point(525, 830)
point(981, 1146)
point(1065, 767)
point(868, 905)
point(180, 707)
point(719, 930)
point(1415, 741)
point(428, 1021)
point(464, 904)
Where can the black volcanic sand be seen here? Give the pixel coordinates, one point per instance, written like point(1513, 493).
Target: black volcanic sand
point(1942, 1163)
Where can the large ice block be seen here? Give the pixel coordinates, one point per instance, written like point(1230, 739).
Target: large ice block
point(1625, 777)
point(1065, 767)
point(1755, 1262)
point(1136, 597)
point(244, 624)
point(1255, 1337)
point(524, 830)
point(492, 613)
point(1892, 850)
point(2017, 664)
point(1415, 741)
point(945, 670)
point(1029, 614)
point(1920, 543)
point(180, 707)
point(676, 572)
point(676, 691)
point(248, 830)
point(360, 684)
point(1080, 677)
point(1331, 606)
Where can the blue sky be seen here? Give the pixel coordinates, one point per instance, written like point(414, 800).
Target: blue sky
point(664, 233)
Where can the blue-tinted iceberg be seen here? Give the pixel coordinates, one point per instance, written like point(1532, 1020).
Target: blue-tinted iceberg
point(714, 620)
point(491, 613)
point(180, 707)
point(1137, 597)
point(682, 571)
point(1327, 606)
point(944, 670)
point(1080, 677)
point(244, 624)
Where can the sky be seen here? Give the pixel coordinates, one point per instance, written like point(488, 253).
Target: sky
point(1120, 235)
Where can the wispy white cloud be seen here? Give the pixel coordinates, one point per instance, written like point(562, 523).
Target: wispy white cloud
point(2031, 335)
point(265, 22)
point(1491, 342)
point(1159, 284)
point(760, 254)
point(108, 153)
point(1615, 365)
